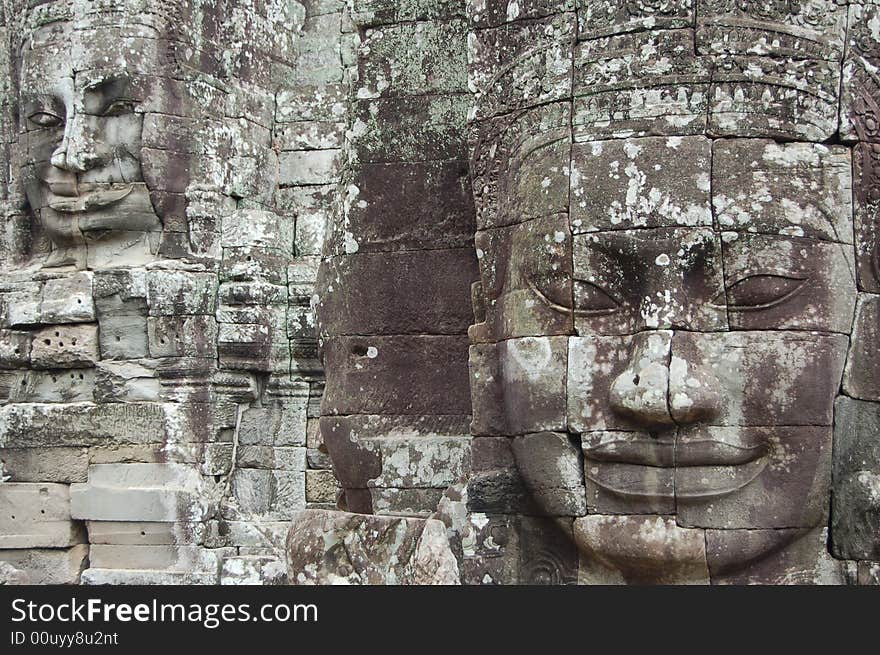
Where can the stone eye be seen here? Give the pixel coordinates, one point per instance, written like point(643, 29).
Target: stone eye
point(763, 291)
point(119, 107)
point(45, 119)
point(591, 299)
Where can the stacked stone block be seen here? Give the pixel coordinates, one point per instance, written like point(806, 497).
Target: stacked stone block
point(393, 291)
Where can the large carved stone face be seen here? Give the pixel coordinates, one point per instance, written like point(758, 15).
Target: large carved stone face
point(659, 364)
point(82, 143)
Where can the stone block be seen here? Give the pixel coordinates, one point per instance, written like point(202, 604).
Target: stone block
point(37, 515)
point(302, 167)
point(604, 17)
point(632, 280)
point(754, 96)
point(117, 577)
point(639, 550)
point(772, 557)
point(177, 293)
point(664, 92)
point(866, 210)
point(779, 282)
point(71, 346)
point(419, 128)
point(44, 566)
point(253, 570)
point(128, 533)
point(326, 547)
point(490, 13)
point(526, 279)
point(15, 349)
point(384, 293)
point(520, 165)
point(180, 558)
point(794, 189)
point(541, 52)
point(861, 378)
point(784, 482)
point(321, 487)
point(68, 300)
point(182, 336)
point(81, 424)
point(646, 182)
point(534, 374)
point(126, 381)
point(418, 58)
point(551, 465)
point(49, 464)
point(855, 514)
point(412, 375)
point(432, 201)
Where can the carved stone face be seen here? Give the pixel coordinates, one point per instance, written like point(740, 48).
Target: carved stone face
point(669, 321)
point(82, 142)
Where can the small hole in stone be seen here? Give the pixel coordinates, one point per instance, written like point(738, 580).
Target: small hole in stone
point(74, 342)
point(48, 342)
point(42, 511)
point(57, 334)
point(636, 379)
point(79, 301)
point(54, 379)
point(61, 344)
point(81, 376)
point(119, 338)
point(143, 534)
point(17, 351)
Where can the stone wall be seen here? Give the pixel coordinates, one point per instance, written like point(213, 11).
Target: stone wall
point(159, 418)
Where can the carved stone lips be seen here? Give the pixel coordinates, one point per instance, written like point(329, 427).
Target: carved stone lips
point(695, 467)
point(86, 197)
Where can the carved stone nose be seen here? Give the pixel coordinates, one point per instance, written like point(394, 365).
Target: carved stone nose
point(640, 392)
point(658, 389)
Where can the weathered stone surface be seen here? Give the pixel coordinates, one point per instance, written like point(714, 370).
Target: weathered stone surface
point(141, 533)
point(533, 374)
point(68, 300)
point(756, 96)
point(519, 165)
point(48, 566)
point(631, 280)
point(95, 576)
point(50, 464)
point(253, 570)
point(777, 282)
point(413, 59)
point(602, 17)
point(547, 459)
point(866, 209)
point(384, 293)
point(777, 557)
point(639, 550)
point(861, 378)
point(630, 183)
point(795, 189)
point(521, 64)
point(174, 293)
point(665, 90)
point(184, 559)
point(814, 31)
point(79, 424)
point(778, 477)
point(419, 128)
point(397, 375)
point(72, 346)
point(15, 348)
point(768, 378)
point(340, 548)
point(37, 516)
point(855, 514)
point(321, 487)
point(433, 208)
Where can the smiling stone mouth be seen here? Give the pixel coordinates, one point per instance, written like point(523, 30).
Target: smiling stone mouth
point(89, 197)
point(698, 468)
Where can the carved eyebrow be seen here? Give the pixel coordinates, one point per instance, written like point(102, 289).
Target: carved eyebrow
point(37, 101)
point(99, 95)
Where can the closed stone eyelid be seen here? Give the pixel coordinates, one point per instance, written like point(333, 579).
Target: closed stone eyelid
point(562, 309)
point(803, 280)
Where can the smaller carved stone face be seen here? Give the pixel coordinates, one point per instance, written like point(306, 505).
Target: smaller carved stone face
point(82, 139)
